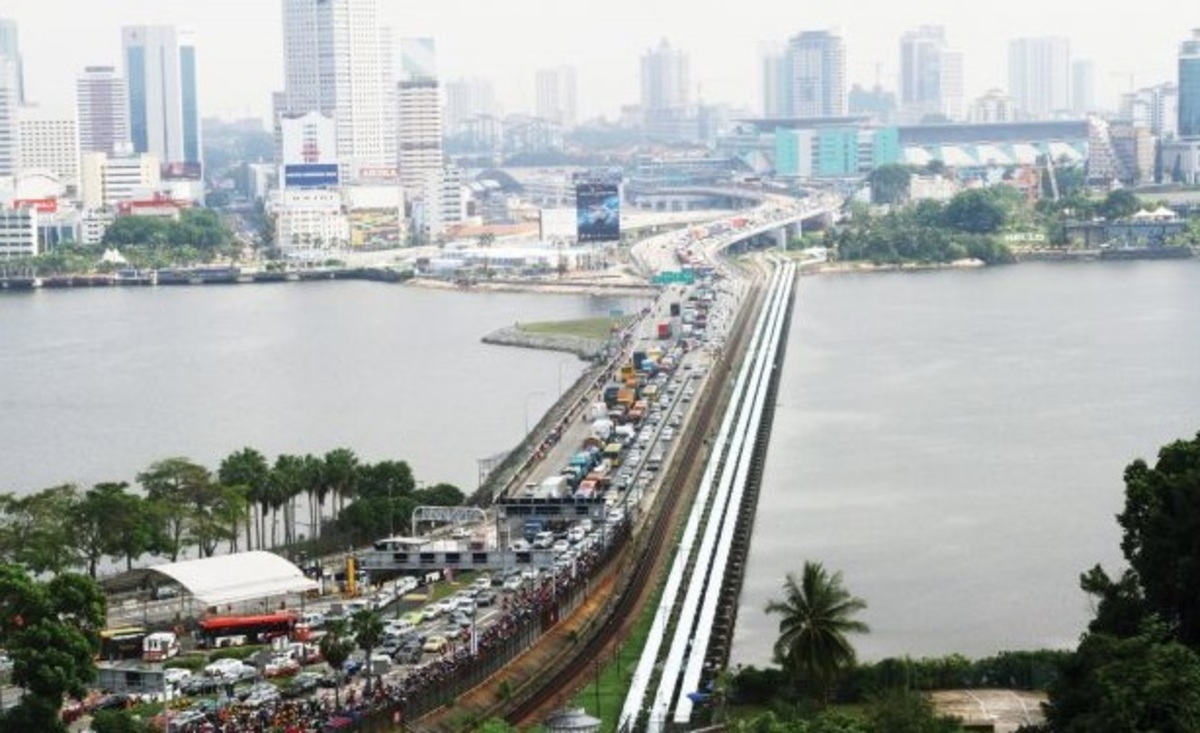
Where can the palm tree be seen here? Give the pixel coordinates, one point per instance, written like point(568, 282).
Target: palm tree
point(817, 615)
point(248, 468)
point(368, 634)
point(341, 475)
point(336, 648)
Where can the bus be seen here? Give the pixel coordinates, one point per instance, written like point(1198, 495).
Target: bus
point(121, 642)
point(222, 631)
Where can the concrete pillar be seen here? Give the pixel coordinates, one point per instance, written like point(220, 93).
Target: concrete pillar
point(781, 238)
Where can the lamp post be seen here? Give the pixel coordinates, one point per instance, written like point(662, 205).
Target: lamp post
point(528, 397)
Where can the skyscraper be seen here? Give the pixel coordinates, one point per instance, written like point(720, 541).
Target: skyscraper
point(818, 74)
point(9, 105)
point(555, 95)
point(1039, 76)
point(667, 111)
point(337, 61)
point(11, 47)
point(931, 76)
point(102, 102)
point(1083, 86)
point(160, 71)
point(1189, 87)
point(419, 113)
point(468, 98)
point(776, 82)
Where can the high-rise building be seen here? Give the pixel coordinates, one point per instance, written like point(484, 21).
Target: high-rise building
point(555, 95)
point(338, 61)
point(9, 106)
point(1039, 76)
point(817, 74)
point(102, 102)
point(1153, 108)
point(466, 100)
point(931, 76)
point(11, 48)
point(667, 111)
point(107, 180)
point(419, 113)
point(160, 72)
point(665, 79)
point(1189, 87)
point(48, 141)
point(776, 82)
point(1083, 86)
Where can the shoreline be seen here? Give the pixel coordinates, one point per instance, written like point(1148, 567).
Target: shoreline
point(585, 348)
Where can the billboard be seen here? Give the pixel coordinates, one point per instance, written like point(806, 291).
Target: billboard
point(181, 171)
point(310, 175)
point(43, 206)
point(597, 212)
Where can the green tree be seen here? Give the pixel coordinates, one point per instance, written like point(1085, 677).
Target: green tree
point(1161, 535)
point(1148, 682)
point(118, 721)
point(178, 487)
point(336, 648)
point(248, 468)
point(368, 634)
point(1119, 204)
point(889, 184)
point(51, 632)
point(36, 530)
point(286, 483)
point(817, 615)
point(439, 495)
point(99, 522)
point(341, 477)
point(977, 211)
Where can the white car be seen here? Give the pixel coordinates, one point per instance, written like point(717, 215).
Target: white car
point(223, 668)
point(561, 546)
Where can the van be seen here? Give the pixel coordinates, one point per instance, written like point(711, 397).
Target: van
point(313, 620)
point(543, 540)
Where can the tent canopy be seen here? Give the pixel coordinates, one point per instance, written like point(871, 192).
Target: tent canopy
point(243, 576)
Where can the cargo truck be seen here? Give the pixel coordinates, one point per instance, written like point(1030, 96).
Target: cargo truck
point(664, 329)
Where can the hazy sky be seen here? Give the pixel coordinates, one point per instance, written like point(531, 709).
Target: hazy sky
point(239, 43)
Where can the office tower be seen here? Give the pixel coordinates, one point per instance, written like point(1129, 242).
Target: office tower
point(102, 102)
point(49, 141)
point(776, 82)
point(1155, 108)
point(419, 113)
point(9, 106)
point(664, 80)
point(160, 73)
point(467, 99)
point(337, 61)
point(11, 48)
point(1083, 86)
point(817, 74)
point(931, 76)
point(1039, 76)
point(555, 95)
point(1189, 86)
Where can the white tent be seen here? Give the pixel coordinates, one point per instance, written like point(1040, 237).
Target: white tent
point(243, 576)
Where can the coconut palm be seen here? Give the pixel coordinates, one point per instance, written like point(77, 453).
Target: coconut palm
point(817, 615)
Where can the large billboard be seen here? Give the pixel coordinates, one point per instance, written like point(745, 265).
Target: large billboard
point(597, 212)
point(310, 175)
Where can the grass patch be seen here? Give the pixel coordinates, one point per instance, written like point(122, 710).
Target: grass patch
point(588, 328)
point(604, 699)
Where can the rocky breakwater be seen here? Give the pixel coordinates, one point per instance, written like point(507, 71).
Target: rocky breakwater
point(584, 348)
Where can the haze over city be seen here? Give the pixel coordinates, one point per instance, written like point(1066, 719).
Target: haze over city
point(239, 45)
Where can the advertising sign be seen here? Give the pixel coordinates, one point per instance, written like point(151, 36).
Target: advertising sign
point(310, 175)
point(181, 171)
point(597, 212)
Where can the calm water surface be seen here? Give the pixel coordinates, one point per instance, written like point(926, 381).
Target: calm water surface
point(98, 384)
point(954, 442)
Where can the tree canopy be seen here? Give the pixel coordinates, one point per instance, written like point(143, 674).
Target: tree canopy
point(1138, 667)
point(51, 631)
point(817, 615)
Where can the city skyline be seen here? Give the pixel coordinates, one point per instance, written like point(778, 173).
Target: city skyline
point(241, 65)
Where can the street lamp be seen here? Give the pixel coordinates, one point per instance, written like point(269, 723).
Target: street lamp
point(528, 397)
